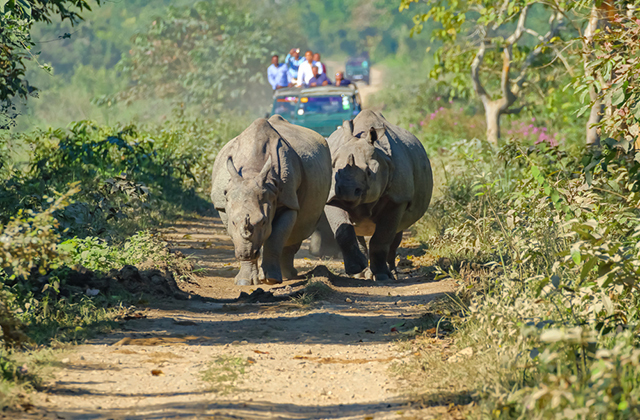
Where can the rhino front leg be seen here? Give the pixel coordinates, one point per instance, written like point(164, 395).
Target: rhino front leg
point(354, 260)
point(381, 242)
point(272, 251)
point(248, 274)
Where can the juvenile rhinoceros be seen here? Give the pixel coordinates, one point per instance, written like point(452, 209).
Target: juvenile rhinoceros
point(270, 185)
point(381, 185)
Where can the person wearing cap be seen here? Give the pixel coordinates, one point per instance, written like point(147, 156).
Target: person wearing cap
point(277, 73)
point(318, 79)
point(293, 61)
point(340, 80)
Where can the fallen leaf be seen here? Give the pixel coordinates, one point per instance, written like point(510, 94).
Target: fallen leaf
point(369, 331)
point(157, 372)
point(261, 352)
point(251, 360)
point(187, 236)
point(394, 329)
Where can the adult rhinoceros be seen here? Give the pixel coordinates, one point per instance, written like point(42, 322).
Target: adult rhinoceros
point(270, 185)
point(382, 184)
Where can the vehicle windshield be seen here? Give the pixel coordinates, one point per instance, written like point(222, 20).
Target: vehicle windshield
point(325, 104)
point(285, 105)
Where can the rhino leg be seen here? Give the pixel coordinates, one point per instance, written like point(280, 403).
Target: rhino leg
point(286, 261)
point(248, 274)
point(391, 257)
point(381, 241)
point(323, 243)
point(274, 245)
point(354, 260)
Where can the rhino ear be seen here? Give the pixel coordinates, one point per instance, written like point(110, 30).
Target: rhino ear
point(264, 172)
point(375, 134)
point(235, 176)
point(351, 161)
point(347, 126)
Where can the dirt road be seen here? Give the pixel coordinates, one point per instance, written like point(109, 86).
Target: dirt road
point(218, 359)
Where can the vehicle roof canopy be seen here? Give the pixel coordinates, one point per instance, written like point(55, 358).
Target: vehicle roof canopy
point(316, 91)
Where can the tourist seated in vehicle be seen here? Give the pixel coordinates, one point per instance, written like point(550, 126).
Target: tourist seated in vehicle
point(293, 61)
point(318, 79)
point(322, 69)
point(305, 72)
point(340, 80)
point(278, 73)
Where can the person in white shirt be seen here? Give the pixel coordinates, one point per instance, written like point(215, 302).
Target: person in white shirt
point(305, 71)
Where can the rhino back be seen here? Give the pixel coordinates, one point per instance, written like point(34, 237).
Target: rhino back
point(315, 158)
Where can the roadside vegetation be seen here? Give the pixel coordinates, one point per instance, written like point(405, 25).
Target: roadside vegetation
point(539, 231)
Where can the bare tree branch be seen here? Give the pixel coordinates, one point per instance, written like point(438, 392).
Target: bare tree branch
point(508, 97)
point(556, 22)
point(475, 72)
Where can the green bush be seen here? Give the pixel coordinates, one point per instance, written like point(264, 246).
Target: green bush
point(560, 309)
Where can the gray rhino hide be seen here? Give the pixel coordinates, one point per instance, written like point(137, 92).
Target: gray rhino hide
point(410, 179)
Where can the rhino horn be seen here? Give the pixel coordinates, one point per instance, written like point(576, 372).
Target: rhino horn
point(264, 172)
point(247, 228)
point(347, 126)
point(235, 176)
point(351, 161)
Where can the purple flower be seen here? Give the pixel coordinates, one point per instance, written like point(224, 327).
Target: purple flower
point(455, 123)
point(530, 125)
point(438, 98)
point(535, 130)
point(533, 119)
point(450, 101)
point(510, 132)
point(544, 129)
point(472, 126)
point(461, 109)
point(412, 125)
point(441, 108)
point(421, 123)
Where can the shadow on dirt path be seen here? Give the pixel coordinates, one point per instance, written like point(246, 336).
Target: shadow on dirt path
point(194, 359)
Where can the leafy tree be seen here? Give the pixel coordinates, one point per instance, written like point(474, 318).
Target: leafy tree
point(484, 42)
point(210, 55)
point(16, 20)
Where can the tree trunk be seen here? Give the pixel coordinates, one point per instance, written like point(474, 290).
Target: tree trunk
point(492, 115)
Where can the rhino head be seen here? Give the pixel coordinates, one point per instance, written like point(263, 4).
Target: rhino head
point(360, 169)
point(251, 204)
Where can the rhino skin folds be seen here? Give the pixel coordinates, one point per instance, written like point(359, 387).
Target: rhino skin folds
point(381, 184)
point(270, 185)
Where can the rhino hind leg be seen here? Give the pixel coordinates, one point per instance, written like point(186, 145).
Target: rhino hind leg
point(274, 245)
point(391, 257)
point(248, 274)
point(286, 261)
point(322, 242)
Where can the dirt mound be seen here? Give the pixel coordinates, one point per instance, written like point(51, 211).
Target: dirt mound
point(321, 271)
point(154, 282)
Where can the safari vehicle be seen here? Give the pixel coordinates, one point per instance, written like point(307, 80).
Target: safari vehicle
point(357, 68)
point(321, 109)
